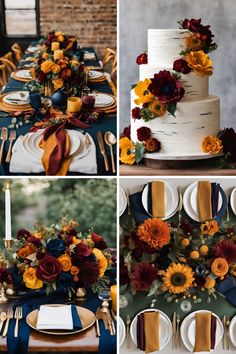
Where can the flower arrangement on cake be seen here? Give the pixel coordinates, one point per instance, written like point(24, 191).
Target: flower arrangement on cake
point(178, 261)
point(51, 74)
point(59, 257)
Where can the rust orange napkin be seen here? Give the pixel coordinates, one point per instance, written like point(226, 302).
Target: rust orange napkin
point(156, 199)
point(204, 200)
point(151, 331)
point(205, 332)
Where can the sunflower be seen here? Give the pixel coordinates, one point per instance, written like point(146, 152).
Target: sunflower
point(141, 90)
point(178, 278)
point(157, 108)
point(155, 232)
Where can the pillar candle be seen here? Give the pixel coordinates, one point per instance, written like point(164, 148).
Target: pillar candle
point(74, 104)
point(58, 54)
point(113, 291)
point(55, 46)
point(7, 213)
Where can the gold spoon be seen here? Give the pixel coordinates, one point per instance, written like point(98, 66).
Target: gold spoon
point(3, 317)
point(110, 140)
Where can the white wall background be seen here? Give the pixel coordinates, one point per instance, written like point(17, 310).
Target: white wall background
point(136, 16)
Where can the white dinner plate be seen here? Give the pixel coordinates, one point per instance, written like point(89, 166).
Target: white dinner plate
point(103, 100)
point(89, 56)
point(171, 200)
point(23, 96)
point(233, 200)
point(165, 328)
point(232, 330)
point(93, 74)
point(187, 330)
point(190, 201)
point(33, 49)
point(24, 74)
point(122, 331)
point(122, 201)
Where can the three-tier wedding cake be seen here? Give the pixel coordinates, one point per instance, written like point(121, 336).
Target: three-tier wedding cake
point(172, 112)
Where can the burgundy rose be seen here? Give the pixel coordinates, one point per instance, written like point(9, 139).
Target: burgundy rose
point(136, 113)
point(40, 61)
point(98, 241)
point(166, 87)
point(181, 66)
point(40, 255)
point(34, 240)
point(143, 133)
point(228, 138)
point(49, 268)
point(126, 132)
point(88, 102)
point(192, 25)
point(142, 59)
point(22, 233)
point(204, 32)
point(41, 77)
point(82, 250)
point(5, 276)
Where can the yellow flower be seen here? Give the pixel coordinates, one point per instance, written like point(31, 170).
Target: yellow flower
point(211, 144)
point(58, 83)
point(194, 255)
point(219, 267)
point(200, 63)
point(193, 42)
point(209, 227)
point(30, 279)
point(47, 66)
point(45, 55)
point(157, 108)
point(178, 278)
point(74, 270)
point(141, 90)
point(56, 69)
point(209, 283)
point(59, 33)
point(102, 260)
point(204, 250)
point(61, 38)
point(126, 156)
point(65, 261)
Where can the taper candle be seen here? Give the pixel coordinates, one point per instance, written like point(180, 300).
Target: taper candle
point(55, 46)
point(7, 212)
point(74, 104)
point(58, 54)
point(113, 292)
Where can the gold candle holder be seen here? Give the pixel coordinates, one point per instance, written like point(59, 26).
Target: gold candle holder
point(8, 244)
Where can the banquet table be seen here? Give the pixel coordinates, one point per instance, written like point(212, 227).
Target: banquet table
point(107, 122)
point(141, 301)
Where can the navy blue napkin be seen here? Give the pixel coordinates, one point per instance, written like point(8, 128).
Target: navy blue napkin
point(227, 287)
point(77, 325)
point(137, 209)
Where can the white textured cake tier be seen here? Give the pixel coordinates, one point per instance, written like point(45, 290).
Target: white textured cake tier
point(184, 133)
point(164, 46)
point(195, 86)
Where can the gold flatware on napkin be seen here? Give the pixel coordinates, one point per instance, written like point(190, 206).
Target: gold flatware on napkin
point(102, 149)
point(11, 139)
point(9, 317)
point(18, 316)
point(3, 317)
point(3, 137)
point(128, 321)
point(174, 330)
point(110, 140)
point(223, 320)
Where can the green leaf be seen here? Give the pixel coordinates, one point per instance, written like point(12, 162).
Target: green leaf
point(171, 108)
point(139, 152)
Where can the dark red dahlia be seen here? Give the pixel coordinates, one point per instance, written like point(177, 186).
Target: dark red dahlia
point(124, 276)
point(181, 66)
point(142, 59)
point(41, 77)
point(166, 87)
point(126, 132)
point(143, 276)
point(22, 233)
point(225, 249)
point(136, 113)
point(143, 133)
point(228, 138)
point(98, 241)
point(89, 273)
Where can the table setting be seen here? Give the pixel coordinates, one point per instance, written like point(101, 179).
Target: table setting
point(64, 90)
point(57, 288)
point(177, 265)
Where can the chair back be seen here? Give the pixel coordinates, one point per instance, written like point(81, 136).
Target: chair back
point(16, 49)
point(110, 57)
point(3, 75)
point(7, 60)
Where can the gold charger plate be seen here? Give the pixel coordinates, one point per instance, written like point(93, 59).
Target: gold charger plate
point(12, 108)
point(22, 79)
point(87, 319)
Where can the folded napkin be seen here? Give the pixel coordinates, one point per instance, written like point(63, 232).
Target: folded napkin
point(215, 190)
point(137, 209)
point(156, 199)
point(204, 200)
point(58, 317)
point(23, 161)
point(148, 331)
point(204, 332)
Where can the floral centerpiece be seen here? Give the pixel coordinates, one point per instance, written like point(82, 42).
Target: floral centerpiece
point(59, 257)
point(50, 75)
point(67, 42)
point(178, 261)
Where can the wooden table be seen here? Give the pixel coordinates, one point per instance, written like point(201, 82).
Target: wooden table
point(38, 342)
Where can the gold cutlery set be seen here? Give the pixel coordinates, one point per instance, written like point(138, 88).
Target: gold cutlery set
point(110, 140)
point(226, 340)
point(4, 138)
point(103, 313)
point(176, 332)
point(5, 317)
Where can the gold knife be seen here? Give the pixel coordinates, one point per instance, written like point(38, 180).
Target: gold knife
point(4, 135)
point(223, 320)
point(174, 330)
point(103, 151)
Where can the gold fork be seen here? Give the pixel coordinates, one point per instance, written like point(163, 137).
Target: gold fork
point(177, 330)
point(9, 317)
point(11, 139)
point(128, 321)
point(18, 316)
point(3, 137)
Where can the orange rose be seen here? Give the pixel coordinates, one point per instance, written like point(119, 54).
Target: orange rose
point(61, 38)
point(27, 250)
point(220, 267)
point(193, 42)
point(74, 270)
point(59, 33)
point(65, 261)
point(58, 83)
point(211, 144)
point(47, 66)
point(102, 260)
point(56, 69)
point(45, 55)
